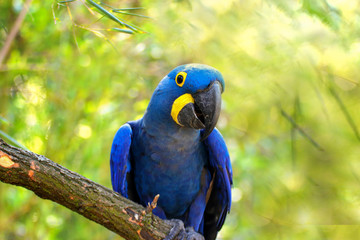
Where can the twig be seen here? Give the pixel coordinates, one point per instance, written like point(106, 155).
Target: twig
point(53, 11)
point(301, 131)
point(13, 32)
point(345, 112)
point(151, 206)
point(339, 100)
point(72, 26)
point(293, 132)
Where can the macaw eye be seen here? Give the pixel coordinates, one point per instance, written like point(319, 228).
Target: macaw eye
point(180, 78)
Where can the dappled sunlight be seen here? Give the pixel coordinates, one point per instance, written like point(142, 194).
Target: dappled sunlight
point(290, 113)
point(84, 131)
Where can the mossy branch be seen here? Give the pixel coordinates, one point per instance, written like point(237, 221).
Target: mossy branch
point(49, 180)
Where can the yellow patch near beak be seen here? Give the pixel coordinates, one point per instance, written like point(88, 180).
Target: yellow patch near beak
point(178, 104)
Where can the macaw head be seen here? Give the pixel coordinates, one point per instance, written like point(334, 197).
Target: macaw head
point(190, 97)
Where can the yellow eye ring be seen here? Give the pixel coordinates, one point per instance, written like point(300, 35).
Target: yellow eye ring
point(180, 78)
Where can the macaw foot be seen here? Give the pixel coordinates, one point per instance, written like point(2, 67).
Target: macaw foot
point(178, 232)
point(192, 235)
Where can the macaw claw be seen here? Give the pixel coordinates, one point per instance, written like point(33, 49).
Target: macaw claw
point(178, 232)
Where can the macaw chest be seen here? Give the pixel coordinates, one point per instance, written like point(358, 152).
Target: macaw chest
point(171, 170)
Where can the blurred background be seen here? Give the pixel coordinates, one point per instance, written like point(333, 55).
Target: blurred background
point(290, 116)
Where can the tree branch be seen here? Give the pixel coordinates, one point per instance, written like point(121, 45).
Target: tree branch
point(49, 180)
point(14, 30)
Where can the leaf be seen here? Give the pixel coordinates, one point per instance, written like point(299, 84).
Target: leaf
point(66, 1)
point(128, 9)
point(11, 140)
point(106, 13)
point(4, 121)
point(328, 14)
point(132, 14)
point(122, 30)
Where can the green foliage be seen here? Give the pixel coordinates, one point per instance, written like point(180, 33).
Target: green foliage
point(109, 15)
point(324, 11)
point(290, 108)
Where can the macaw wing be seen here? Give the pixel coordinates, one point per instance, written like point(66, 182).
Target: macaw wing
point(219, 202)
point(120, 163)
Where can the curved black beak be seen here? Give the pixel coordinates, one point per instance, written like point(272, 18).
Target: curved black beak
point(204, 112)
point(208, 103)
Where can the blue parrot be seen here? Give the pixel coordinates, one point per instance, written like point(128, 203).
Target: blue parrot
point(175, 150)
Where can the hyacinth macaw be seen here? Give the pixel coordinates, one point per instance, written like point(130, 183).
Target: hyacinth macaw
point(175, 150)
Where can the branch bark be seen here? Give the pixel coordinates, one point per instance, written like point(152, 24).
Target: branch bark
point(49, 180)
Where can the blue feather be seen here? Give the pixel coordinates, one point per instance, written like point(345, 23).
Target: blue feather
point(120, 159)
point(155, 155)
point(219, 159)
point(220, 200)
